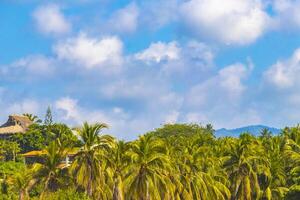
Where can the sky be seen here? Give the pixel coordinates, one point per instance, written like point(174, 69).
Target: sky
point(137, 65)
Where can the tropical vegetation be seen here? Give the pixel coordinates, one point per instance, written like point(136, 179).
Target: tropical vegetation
point(174, 162)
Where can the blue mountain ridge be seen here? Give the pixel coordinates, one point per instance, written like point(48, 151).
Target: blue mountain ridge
point(253, 129)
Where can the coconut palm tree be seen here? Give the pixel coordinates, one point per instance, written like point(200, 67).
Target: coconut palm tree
point(116, 163)
point(33, 118)
point(272, 178)
point(50, 171)
point(87, 166)
point(24, 182)
point(197, 178)
point(242, 165)
point(146, 178)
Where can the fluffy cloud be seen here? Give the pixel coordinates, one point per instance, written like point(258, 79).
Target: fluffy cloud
point(36, 64)
point(25, 106)
point(50, 20)
point(91, 52)
point(34, 67)
point(157, 14)
point(69, 107)
point(125, 20)
point(227, 84)
point(234, 22)
point(287, 13)
point(284, 74)
point(160, 51)
point(219, 99)
point(230, 79)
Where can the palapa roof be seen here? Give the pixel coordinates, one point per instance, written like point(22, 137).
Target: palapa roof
point(36, 153)
point(15, 124)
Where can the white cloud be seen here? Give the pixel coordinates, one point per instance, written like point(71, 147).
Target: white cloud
point(25, 106)
point(35, 64)
point(70, 109)
point(226, 86)
point(287, 13)
point(30, 68)
point(157, 14)
point(50, 20)
point(160, 51)
point(125, 20)
point(230, 78)
point(284, 74)
point(91, 52)
point(234, 22)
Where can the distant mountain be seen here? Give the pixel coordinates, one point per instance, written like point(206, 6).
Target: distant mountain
point(253, 129)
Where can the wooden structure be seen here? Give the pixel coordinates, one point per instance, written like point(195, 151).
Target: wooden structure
point(32, 157)
point(15, 124)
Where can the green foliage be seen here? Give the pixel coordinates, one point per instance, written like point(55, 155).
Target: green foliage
point(11, 168)
point(9, 150)
point(33, 118)
point(40, 136)
point(48, 117)
point(174, 162)
point(293, 193)
point(69, 194)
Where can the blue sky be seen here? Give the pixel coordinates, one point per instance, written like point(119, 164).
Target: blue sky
point(139, 64)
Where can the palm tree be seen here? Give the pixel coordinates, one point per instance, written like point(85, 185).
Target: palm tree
point(87, 166)
point(50, 170)
point(146, 177)
point(117, 160)
point(242, 165)
point(32, 118)
point(24, 182)
point(199, 179)
point(272, 179)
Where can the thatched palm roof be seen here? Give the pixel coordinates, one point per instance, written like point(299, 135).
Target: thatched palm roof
point(15, 124)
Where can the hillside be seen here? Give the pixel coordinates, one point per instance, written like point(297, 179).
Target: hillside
point(254, 129)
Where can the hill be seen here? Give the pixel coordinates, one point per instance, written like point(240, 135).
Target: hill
point(254, 129)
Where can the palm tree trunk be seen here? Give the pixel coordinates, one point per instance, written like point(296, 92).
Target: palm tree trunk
point(147, 191)
point(22, 194)
point(14, 156)
point(45, 186)
point(118, 190)
point(89, 187)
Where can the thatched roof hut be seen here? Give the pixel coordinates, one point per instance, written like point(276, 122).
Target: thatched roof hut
point(15, 124)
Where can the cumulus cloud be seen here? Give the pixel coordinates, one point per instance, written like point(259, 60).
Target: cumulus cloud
point(33, 67)
point(159, 51)
point(230, 78)
point(227, 84)
point(284, 74)
point(70, 109)
point(157, 14)
point(36, 64)
point(25, 106)
point(287, 14)
point(125, 20)
point(50, 20)
point(219, 99)
point(234, 22)
point(90, 52)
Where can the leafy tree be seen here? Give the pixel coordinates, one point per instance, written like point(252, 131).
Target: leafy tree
point(48, 117)
point(9, 150)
